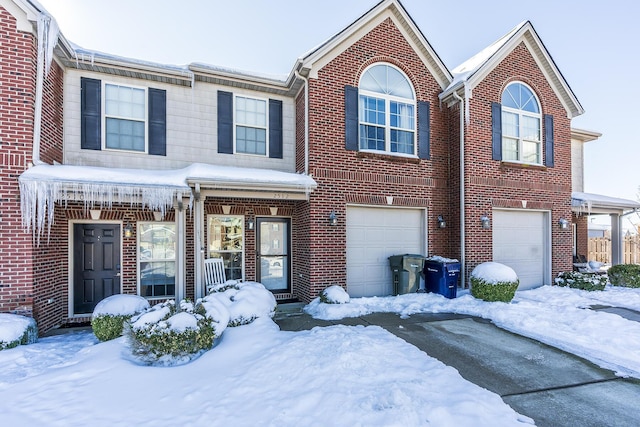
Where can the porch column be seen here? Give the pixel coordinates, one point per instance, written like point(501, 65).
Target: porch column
point(180, 252)
point(616, 239)
point(199, 245)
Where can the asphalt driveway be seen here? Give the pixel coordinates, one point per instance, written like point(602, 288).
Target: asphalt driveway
point(551, 386)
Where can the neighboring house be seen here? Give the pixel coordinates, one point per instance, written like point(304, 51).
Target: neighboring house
point(129, 174)
point(584, 205)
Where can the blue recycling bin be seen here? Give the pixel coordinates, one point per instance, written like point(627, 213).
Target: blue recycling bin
point(441, 276)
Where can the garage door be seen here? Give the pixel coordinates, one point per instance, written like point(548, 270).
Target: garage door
point(520, 241)
point(373, 235)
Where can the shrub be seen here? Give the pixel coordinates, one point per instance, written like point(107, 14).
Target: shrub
point(17, 330)
point(492, 281)
point(625, 275)
point(334, 295)
point(112, 312)
point(584, 281)
point(245, 301)
point(163, 336)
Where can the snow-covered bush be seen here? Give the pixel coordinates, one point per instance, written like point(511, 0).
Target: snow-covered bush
point(17, 330)
point(110, 314)
point(584, 281)
point(492, 281)
point(627, 275)
point(334, 295)
point(245, 301)
point(163, 336)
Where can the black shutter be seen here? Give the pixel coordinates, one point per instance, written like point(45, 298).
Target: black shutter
point(424, 130)
point(90, 114)
point(351, 117)
point(275, 129)
point(225, 122)
point(157, 122)
point(496, 131)
point(548, 141)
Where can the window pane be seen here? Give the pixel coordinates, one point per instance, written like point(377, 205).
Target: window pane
point(401, 141)
point(531, 128)
point(510, 126)
point(531, 152)
point(251, 140)
point(372, 138)
point(402, 115)
point(372, 110)
point(509, 149)
point(520, 97)
point(251, 112)
point(125, 102)
point(125, 134)
point(386, 80)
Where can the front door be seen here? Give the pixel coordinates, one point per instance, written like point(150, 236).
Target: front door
point(274, 258)
point(96, 264)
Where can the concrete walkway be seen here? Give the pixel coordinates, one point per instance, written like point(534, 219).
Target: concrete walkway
point(553, 387)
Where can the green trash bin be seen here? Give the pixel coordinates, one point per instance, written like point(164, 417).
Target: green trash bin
point(406, 273)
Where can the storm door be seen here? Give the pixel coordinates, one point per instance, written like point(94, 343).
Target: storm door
point(96, 264)
point(274, 253)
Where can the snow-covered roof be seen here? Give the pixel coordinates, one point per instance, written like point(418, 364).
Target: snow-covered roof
point(589, 202)
point(43, 185)
point(471, 72)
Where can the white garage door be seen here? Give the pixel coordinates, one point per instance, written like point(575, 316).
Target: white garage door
point(520, 241)
point(373, 235)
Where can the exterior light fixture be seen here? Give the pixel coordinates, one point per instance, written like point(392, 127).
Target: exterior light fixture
point(333, 218)
point(128, 231)
point(563, 223)
point(485, 221)
point(441, 222)
point(250, 223)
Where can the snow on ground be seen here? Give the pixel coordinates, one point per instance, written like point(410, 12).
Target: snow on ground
point(258, 375)
point(555, 315)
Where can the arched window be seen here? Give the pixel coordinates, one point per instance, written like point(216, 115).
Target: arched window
point(386, 111)
point(521, 125)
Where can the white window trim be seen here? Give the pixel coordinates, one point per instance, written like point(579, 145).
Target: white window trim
point(104, 117)
point(521, 139)
point(387, 101)
point(236, 124)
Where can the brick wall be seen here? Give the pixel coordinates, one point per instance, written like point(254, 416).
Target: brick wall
point(17, 89)
point(582, 234)
point(351, 177)
point(491, 184)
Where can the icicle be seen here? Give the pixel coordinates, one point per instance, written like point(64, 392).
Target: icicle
point(38, 199)
point(48, 32)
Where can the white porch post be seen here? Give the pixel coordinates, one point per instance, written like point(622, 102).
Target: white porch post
point(616, 239)
point(198, 244)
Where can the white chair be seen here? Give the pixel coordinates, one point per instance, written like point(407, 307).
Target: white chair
point(213, 273)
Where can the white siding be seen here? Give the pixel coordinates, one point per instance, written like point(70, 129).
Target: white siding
point(577, 166)
point(191, 129)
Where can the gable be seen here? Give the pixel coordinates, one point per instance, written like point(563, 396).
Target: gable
point(471, 73)
point(391, 10)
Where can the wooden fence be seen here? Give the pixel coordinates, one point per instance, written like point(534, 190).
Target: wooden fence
point(600, 249)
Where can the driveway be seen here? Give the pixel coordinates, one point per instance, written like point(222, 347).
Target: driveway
point(553, 387)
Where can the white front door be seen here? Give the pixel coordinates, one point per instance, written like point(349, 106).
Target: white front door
point(373, 235)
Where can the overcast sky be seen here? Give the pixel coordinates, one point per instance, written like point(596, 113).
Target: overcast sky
point(593, 42)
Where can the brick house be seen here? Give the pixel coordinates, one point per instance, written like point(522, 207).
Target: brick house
point(120, 175)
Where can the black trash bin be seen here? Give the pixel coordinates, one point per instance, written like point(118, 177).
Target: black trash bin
point(406, 273)
point(441, 276)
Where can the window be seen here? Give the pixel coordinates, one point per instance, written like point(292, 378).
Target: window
point(226, 241)
point(386, 111)
point(157, 259)
point(125, 118)
point(251, 126)
point(521, 125)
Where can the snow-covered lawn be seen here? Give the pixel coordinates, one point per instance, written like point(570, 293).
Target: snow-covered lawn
point(339, 375)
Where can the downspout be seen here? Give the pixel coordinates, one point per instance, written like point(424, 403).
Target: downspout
point(462, 194)
point(306, 121)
